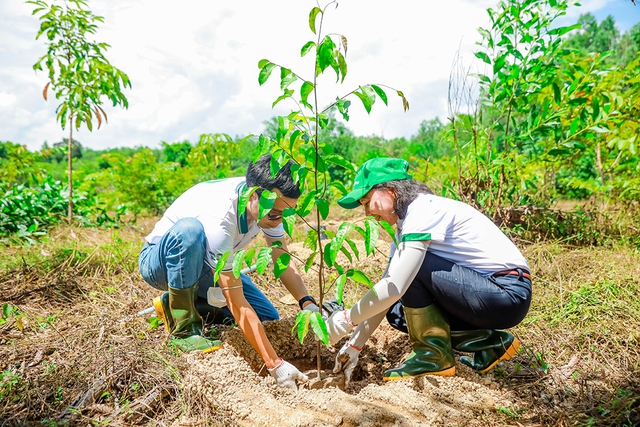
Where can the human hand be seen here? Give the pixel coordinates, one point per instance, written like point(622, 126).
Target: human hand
point(328, 308)
point(286, 375)
point(346, 361)
point(338, 326)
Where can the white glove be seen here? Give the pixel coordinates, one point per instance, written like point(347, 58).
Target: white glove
point(346, 361)
point(338, 326)
point(286, 375)
point(328, 308)
point(312, 307)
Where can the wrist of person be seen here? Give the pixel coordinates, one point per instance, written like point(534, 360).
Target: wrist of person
point(305, 301)
point(278, 363)
point(347, 318)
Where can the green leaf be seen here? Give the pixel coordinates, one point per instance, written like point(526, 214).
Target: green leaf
point(325, 55)
point(359, 276)
point(560, 31)
point(264, 142)
point(286, 78)
point(310, 261)
point(306, 48)
point(365, 100)
point(556, 93)
point(381, 93)
point(323, 207)
point(484, 57)
point(342, 66)
point(305, 90)
point(248, 257)
point(238, 258)
point(281, 264)
point(558, 152)
point(264, 258)
point(220, 266)
point(287, 94)
point(267, 200)
point(327, 254)
point(289, 220)
point(265, 72)
point(339, 186)
point(243, 201)
point(347, 254)
point(595, 113)
point(354, 247)
point(574, 126)
point(389, 231)
point(319, 327)
point(339, 290)
point(372, 232)
point(306, 204)
point(302, 324)
point(337, 242)
point(312, 18)
point(337, 159)
point(343, 107)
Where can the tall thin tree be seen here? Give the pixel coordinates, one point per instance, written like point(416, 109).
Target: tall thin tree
point(79, 74)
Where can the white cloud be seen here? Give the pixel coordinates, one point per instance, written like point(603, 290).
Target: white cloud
point(6, 99)
point(193, 65)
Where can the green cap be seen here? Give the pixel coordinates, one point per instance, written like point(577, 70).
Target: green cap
point(373, 172)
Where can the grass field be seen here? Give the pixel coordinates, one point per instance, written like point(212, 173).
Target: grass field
point(65, 359)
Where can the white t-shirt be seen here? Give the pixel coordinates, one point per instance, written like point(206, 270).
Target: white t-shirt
point(459, 233)
point(215, 205)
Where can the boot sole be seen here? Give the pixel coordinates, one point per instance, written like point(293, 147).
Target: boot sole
point(157, 306)
point(445, 373)
point(511, 351)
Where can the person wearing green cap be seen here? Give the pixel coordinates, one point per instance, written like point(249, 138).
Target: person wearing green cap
point(454, 280)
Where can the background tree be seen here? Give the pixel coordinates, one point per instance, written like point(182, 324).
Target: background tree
point(79, 74)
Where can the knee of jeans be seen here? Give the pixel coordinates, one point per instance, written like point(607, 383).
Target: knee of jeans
point(191, 232)
point(269, 315)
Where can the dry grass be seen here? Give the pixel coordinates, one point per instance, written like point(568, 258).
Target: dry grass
point(580, 364)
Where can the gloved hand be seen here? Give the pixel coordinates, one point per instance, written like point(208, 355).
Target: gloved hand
point(338, 326)
point(331, 306)
point(286, 375)
point(346, 361)
point(328, 308)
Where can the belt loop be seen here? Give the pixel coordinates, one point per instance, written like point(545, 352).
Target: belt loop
point(519, 270)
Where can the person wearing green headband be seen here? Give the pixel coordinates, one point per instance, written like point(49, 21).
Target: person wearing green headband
point(454, 280)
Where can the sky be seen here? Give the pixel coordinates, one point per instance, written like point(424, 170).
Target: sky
point(194, 67)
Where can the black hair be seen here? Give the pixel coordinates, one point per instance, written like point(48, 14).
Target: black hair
point(259, 175)
point(406, 191)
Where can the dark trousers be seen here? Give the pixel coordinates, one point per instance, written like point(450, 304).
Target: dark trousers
point(471, 300)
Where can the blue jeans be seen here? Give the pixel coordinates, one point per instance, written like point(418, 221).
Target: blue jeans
point(471, 300)
point(178, 261)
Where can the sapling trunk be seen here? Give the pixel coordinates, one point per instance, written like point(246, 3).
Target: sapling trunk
point(69, 145)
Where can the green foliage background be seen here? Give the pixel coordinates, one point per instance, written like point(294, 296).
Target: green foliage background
point(556, 120)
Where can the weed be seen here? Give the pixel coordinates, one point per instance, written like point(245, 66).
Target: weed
point(58, 398)
point(8, 312)
point(542, 363)
point(9, 380)
point(154, 322)
point(507, 411)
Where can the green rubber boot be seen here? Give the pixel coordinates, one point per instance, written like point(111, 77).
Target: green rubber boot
point(182, 321)
point(488, 346)
point(430, 338)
